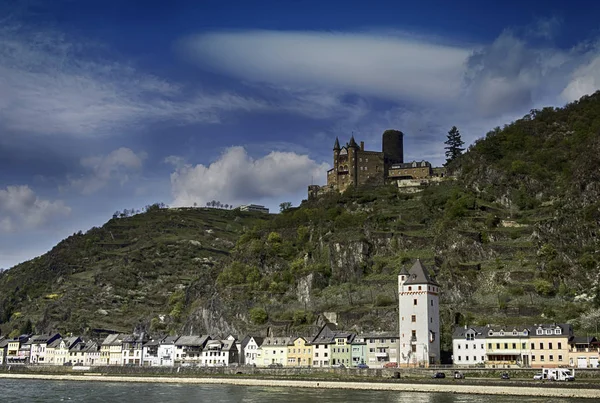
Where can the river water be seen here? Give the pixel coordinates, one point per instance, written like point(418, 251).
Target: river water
point(14, 390)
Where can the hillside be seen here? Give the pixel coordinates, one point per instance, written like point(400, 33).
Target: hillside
point(513, 239)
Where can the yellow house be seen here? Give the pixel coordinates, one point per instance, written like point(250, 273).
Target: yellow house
point(299, 353)
point(584, 352)
point(549, 345)
point(111, 350)
point(51, 352)
point(273, 351)
point(507, 347)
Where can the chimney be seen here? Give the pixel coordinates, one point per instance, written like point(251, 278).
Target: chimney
point(362, 146)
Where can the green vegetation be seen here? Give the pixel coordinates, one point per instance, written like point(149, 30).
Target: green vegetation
point(512, 240)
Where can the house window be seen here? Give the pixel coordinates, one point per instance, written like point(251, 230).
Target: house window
point(522, 346)
point(505, 346)
point(459, 346)
point(414, 348)
point(539, 331)
point(431, 302)
point(482, 358)
point(560, 358)
point(409, 288)
point(533, 358)
point(541, 358)
point(558, 331)
point(550, 346)
point(514, 346)
point(498, 346)
point(459, 358)
point(541, 346)
point(414, 334)
point(489, 346)
point(419, 288)
point(415, 301)
point(551, 358)
point(466, 346)
point(533, 346)
point(413, 318)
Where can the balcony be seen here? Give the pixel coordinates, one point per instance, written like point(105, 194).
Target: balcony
point(381, 355)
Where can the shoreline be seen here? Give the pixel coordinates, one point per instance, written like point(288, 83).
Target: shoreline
point(505, 390)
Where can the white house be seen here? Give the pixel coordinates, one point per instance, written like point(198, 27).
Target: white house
point(150, 355)
point(39, 344)
point(3, 348)
point(419, 317)
point(468, 346)
point(91, 354)
point(219, 353)
point(249, 347)
point(166, 351)
point(61, 352)
point(132, 349)
point(188, 349)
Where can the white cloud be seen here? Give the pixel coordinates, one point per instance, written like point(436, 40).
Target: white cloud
point(371, 64)
point(118, 165)
point(236, 177)
point(50, 85)
point(22, 209)
point(585, 80)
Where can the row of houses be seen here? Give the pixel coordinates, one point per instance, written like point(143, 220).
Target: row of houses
point(328, 348)
point(536, 346)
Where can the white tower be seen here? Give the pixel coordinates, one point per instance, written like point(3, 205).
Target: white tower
point(419, 317)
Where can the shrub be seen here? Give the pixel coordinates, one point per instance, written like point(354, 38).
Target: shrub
point(258, 316)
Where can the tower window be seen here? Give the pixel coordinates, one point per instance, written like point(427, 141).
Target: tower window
point(415, 301)
point(413, 318)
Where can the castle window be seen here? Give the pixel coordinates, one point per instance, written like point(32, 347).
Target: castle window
point(366, 160)
point(365, 168)
point(360, 160)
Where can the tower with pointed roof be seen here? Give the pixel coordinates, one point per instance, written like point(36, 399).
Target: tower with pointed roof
point(419, 317)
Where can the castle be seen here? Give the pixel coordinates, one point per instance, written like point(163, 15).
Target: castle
point(354, 166)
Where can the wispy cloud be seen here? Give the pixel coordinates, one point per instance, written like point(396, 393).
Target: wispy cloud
point(51, 85)
point(119, 165)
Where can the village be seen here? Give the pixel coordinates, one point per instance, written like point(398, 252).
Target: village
point(416, 344)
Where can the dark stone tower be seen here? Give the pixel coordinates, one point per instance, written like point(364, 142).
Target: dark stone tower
point(392, 147)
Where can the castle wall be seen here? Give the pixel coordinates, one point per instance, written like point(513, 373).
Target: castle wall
point(412, 172)
point(370, 168)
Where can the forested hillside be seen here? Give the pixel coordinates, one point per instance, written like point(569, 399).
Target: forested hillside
point(513, 239)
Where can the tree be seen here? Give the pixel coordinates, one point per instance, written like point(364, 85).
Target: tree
point(284, 206)
point(454, 145)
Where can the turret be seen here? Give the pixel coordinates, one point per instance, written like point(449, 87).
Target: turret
point(336, 146)
point(353, 143)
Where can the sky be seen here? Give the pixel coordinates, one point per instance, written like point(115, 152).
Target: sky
point(111, 105)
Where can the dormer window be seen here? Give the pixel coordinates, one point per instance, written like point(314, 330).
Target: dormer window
point(558, 331)
point(539, 331)
point(548, 331)
point(502, 333)
point(414, 164)
point(490, 333)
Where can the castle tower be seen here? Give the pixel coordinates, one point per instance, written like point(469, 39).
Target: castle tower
point(392, 145)
point(353, 160)
point(419, 320)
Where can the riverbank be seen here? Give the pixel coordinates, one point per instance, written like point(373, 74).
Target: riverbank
point(557, 392)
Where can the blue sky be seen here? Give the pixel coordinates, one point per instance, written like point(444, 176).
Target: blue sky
point(106, 105)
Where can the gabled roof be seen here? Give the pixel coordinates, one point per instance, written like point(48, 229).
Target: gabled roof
point(418, 274)
point(228, 345)
point(246, 340)
point(192, 340)
point(378, 335)
point(72, 341)
point(461, 331)
point(114, 339)
point(584, 340)
point(55, 343)
point(336, 146)
point(352, 142)
point(44, 338)
point(275, 342)
point(169, 340)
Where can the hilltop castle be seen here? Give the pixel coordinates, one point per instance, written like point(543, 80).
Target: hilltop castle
point(353, 166)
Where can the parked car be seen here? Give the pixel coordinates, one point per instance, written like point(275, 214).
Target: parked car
point(504, 375)
point(338, 366)
point(276, 365)
point(390, 365)
point(438, 375)
point(538, 376)
point(458, 375)
point(362, 366)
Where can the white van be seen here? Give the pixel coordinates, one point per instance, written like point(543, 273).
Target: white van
point(558, 374)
